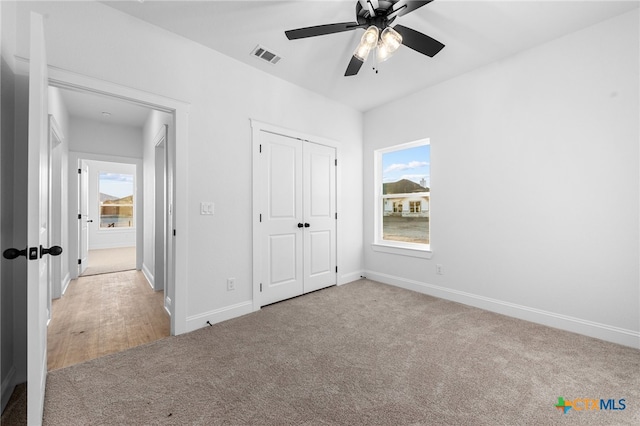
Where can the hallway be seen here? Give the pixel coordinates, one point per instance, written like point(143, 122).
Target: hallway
point(103, 314)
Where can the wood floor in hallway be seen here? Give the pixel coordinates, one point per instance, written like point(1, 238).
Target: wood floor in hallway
point(103, 314)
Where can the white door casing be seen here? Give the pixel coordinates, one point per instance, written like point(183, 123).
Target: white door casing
point(160, 216)
point(295, 200)
point(37, 224)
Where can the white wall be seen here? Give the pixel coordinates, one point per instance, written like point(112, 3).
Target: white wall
point(112, 237)
point(95, 40)
point(96, 137)
point(96, 140)
point(535, 192)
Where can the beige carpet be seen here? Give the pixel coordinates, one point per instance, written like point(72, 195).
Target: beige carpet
point(105, 261)
point(360, 354)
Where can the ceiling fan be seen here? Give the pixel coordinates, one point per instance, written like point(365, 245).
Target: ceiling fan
point(376, 17)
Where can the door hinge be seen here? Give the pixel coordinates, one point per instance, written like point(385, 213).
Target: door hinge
point(79, 261)
point(260, 217)
point(79, 216)
point(260, 148)
point(336, 215)
point(79, 171)
point(260, 287)
point(174, 232)
point(336, 269)
point(336, 161)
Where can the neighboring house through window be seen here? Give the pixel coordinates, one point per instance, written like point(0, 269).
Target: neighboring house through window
point(403, 196)
point(116, 200)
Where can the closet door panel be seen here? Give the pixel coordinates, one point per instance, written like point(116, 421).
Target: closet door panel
point(320, 209)
point(281, 238)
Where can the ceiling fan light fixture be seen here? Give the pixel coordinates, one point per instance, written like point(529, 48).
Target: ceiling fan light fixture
point(367, 42)
point(391, 38)
point(390, 41)
point(370, 37)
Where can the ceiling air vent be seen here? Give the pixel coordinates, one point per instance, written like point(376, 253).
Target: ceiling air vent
point(266, 55)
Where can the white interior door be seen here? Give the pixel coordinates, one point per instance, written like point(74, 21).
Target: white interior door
point(160, 217)
point(282, 219)
point(83, 217)
point(319, 186)
point(297, 231)
point(37, 224)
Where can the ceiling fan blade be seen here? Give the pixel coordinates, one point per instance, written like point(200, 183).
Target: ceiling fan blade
point(354, 66)
point(419, 42)
point(370, 5)
point(319, 30)
point(404, 7)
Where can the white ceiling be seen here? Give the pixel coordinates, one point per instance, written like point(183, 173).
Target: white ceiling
point(92, 106)
point(475, 33)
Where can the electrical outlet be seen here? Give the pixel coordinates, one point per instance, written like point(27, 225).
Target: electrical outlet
point(439, 269)
point(231, 284)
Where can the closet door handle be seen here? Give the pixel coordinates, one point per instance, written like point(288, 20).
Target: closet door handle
point(300, 225)
point(306, 225)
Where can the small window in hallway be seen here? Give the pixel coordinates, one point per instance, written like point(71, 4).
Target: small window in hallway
point(116, 200)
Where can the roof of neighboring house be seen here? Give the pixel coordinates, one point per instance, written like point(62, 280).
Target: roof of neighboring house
point(125, 200)
point(403, 186)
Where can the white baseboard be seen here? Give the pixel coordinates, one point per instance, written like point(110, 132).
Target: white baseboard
point(148, 275)
point(350, 277)
point(564, 322)
point(65, 282)
point(7, 388)
point(228, 312)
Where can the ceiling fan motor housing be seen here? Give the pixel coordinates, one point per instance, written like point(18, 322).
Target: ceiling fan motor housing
point(380, 20)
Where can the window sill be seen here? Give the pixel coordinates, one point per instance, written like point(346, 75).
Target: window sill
point(402, 251)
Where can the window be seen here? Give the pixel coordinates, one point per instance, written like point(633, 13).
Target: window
point(403, 196)
point(116, 200)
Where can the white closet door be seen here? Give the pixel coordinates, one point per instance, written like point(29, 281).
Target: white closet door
point(320, 221)
point(83, 218)
point(281, 239)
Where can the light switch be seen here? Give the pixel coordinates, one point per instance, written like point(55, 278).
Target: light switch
point(206, 208)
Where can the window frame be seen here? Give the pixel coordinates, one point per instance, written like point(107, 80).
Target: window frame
point(388, 246)
point(117, 229)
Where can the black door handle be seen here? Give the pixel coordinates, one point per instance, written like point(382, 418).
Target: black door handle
point(13, 253)
point(306, 225)
point(90, 221)
point(53, 251)
point(300, 225)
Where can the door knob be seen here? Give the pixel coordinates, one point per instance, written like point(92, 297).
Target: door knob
point(306, 225)
point(13, 253)
point(300, 225)
point(30, 252)
point(53, 251)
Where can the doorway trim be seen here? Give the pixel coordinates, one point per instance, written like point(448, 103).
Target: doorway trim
point(177, 153)
point(256, 128)
point(75, 159)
